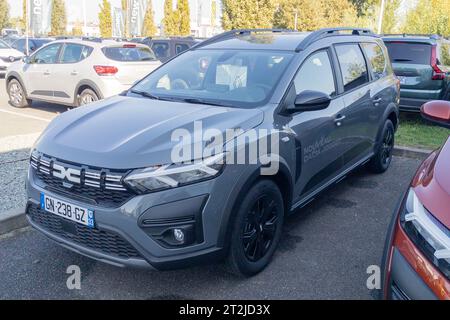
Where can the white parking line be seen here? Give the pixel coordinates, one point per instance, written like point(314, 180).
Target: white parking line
point(25, 115)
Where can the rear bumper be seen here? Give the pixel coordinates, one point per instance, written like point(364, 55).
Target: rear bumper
point(411, 105)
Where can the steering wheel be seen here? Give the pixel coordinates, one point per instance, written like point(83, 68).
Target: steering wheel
point(179, 84)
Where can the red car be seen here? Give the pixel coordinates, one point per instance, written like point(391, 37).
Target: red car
point(416, 259)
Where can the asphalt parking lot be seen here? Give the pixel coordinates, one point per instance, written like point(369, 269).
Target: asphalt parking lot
point(325, 250)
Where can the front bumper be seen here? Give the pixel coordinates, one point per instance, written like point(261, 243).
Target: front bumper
point(120, 238)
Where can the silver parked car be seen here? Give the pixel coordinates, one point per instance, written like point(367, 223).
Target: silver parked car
point(78, 72)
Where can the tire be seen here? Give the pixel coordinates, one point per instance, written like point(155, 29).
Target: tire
point(86, 97)
point(17, 96)
point(256, 233)
point(383, 156)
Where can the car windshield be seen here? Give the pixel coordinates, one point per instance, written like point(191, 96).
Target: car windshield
point(3, 45)
point(233, 78)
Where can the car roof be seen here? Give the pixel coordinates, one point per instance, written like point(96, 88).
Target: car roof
point(431, 39)
point(99, 43)
point(286, 41)
point(281, 40)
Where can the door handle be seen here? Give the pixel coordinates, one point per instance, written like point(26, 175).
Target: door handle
point(46, 73)
point(377, 101)
point(74, 73)
point(339, 120)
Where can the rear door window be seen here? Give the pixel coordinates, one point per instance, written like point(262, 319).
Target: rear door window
point(376, 59)
point(129, 54)
point(409, 52)
point(353, 66)
point(74, 53)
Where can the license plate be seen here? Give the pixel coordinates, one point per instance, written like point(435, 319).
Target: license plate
point(67, 210)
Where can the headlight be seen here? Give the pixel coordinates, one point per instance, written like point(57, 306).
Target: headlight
point(427, 233)
point(174, 175)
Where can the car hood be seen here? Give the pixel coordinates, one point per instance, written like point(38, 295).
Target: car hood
point(6, 53)
point(127, 132)
point(433, 184)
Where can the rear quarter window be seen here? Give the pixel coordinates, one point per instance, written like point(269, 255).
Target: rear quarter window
point(377, 60)
point(409, 52)
point(129, 54)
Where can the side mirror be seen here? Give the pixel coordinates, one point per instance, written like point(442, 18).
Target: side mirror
point(310, 101)
point(437, 112)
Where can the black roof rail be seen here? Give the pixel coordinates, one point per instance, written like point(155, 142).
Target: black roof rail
point(328, 32)
point(92, 39)
point(431, 36)
point(233, 33)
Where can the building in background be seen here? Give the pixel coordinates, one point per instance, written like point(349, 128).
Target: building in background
point(204, 22)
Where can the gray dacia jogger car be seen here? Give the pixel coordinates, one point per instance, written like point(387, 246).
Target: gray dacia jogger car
point(128, 180)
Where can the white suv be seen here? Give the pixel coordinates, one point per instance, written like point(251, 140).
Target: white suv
point(78, 72)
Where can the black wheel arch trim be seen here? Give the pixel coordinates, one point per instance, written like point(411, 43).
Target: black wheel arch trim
point(16, 76)
point(88, 83)
point(391, 109)
point(246, 181)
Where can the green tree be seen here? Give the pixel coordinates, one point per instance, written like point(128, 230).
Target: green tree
point(105, 19)
point(4, 14)
point(247, 14)
point(125, 10)
point(213, 13)
point(169, 20)
point(77, 30)
point(149, 27)
point(183, 18)
point(59, 18)
point(314, 15)
point(429, 17)
point(390, 19)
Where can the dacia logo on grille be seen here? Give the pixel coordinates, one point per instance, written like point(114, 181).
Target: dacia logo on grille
point(72, 175)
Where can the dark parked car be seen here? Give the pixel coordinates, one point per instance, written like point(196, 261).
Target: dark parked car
point(33, 44)
point(416, 260)
point(422, 63)
point(166, 48)
point(107, 180)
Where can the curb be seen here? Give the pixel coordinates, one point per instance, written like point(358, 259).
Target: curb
point(12, 220)
point(414, 153)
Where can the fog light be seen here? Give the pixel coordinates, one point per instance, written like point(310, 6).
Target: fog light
point(178, 234)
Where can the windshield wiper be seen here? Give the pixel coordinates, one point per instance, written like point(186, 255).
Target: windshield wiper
point(145, 94)
point(201, 101)
point(402, 60)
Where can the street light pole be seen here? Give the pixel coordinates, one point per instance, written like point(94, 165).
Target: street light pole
point(380, 20)
point(296, 20)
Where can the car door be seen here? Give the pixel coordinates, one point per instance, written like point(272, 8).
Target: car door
point(70, 68)
point(318, 134)
point(357, 122)
point(39, 74)
point(382, 88)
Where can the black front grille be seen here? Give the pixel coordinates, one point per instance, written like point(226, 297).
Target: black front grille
point(92, 185)
point(102, 241)
point(104, 198)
